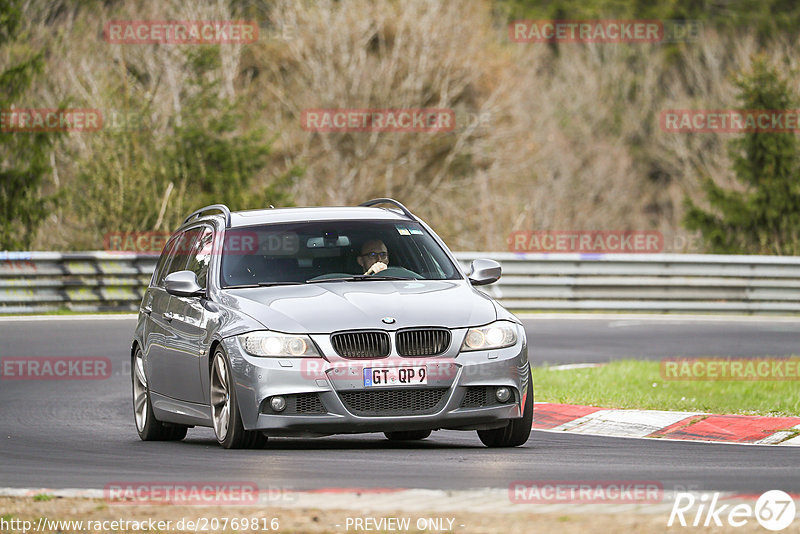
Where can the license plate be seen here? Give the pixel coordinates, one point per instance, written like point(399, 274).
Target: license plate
point(395, 376)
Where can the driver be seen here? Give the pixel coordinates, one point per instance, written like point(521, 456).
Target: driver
point(374, 257)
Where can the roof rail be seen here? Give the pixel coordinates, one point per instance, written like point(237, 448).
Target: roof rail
point(376, 201)
point(217, 207)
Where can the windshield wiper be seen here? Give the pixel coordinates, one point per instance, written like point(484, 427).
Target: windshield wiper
point(359, 278)
point(263, 284)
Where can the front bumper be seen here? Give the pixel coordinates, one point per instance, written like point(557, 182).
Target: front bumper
point(327, 395)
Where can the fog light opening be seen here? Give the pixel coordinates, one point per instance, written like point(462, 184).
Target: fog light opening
point(503, 394)
point(277, 403)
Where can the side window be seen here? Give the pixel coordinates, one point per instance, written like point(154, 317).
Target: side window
point(180, 250)
point(200, 258)
point(163, 262)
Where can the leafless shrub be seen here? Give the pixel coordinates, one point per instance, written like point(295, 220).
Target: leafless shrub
point(543, 141)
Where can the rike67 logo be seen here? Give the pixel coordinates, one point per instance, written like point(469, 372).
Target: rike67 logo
point(774, 510)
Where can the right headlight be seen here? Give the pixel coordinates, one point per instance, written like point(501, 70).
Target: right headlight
point(496, 335)
point(277, 345)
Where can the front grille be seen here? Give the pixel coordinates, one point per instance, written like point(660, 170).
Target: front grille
point(423, 341)
point(361, 344)
point(479, 397)
point(394, 401)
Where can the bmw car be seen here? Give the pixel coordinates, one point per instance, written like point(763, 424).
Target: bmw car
point(325, 320)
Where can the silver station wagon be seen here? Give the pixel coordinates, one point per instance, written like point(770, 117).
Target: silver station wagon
point(320, 321)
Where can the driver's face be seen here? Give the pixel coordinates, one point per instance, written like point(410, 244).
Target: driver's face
point(373, 252)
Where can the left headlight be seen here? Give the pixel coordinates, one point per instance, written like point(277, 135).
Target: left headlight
point(496, 335)
point(276, 345)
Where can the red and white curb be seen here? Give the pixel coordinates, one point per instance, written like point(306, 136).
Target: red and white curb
point(687, 426)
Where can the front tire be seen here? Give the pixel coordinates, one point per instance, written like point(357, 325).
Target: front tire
point(225, 413)
point(148, 427)
point(517, 431)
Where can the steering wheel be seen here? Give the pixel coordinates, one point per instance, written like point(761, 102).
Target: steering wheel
point(399, 272)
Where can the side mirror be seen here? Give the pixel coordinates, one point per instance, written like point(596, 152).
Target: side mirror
point(484, 272)
point(183, 284)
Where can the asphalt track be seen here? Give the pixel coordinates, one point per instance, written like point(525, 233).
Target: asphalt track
point(80, 434)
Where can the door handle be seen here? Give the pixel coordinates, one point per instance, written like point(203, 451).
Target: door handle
point(169, 316)
point(147, 310)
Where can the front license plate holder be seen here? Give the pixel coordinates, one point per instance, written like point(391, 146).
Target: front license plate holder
point(409, 375)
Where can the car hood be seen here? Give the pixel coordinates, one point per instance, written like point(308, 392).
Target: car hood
point(331, 306)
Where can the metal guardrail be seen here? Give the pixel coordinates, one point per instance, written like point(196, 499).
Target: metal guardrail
point(646, 282)
point(97, 281)
point(81, 281)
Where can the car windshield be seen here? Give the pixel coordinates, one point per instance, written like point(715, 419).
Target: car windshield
point(319, 251)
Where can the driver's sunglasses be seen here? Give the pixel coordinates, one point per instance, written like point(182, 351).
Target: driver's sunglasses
point(373, 255)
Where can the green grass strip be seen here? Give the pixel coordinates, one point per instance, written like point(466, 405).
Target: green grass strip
point(634, 384)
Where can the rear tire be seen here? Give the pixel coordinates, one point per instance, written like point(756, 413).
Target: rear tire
point(225, 415)
point(517, 431)
point(148, 427)
point(407, 435)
